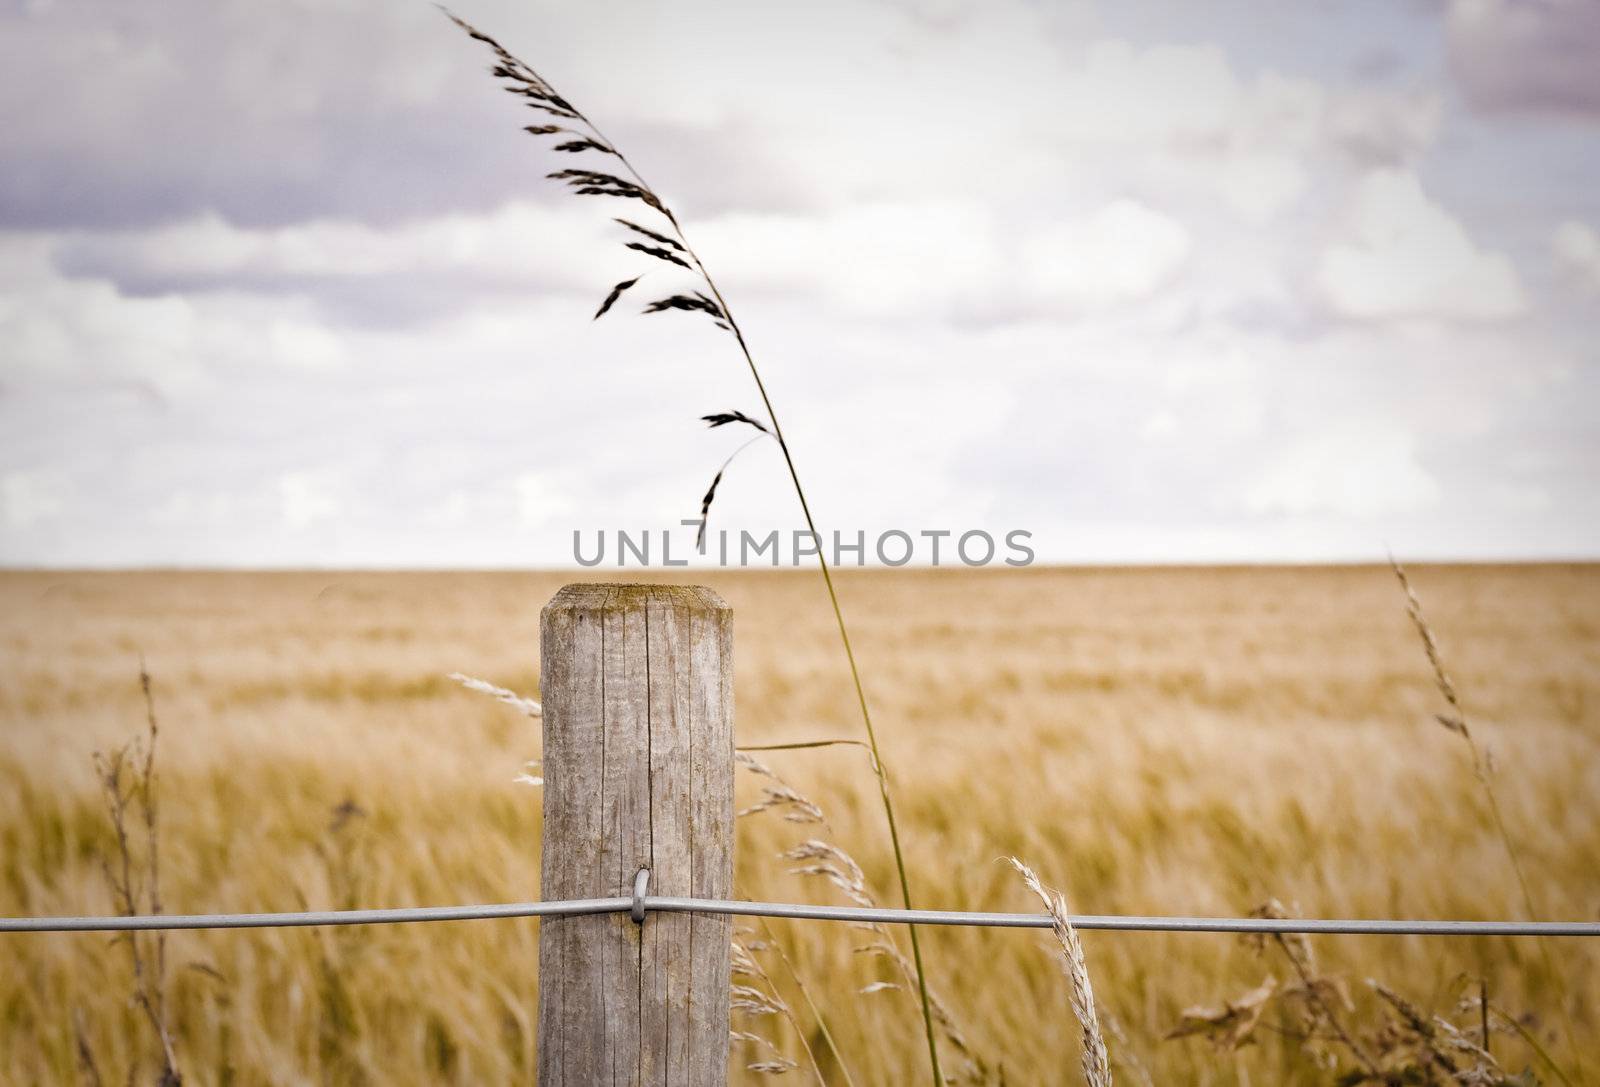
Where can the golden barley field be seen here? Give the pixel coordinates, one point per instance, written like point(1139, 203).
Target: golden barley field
point(1186, 741)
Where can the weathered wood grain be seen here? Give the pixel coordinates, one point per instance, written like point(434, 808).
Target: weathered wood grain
point(637, 685)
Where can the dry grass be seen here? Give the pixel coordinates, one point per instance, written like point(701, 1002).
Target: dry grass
point(1075, 964)
point(1154, 741)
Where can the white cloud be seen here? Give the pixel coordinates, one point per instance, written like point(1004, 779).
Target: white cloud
point(874, 258)
point(1182, 115)
point(539, 499)
point(1576, 247)
point(1384, 126)
point(29, 497)
point(64, 328)
point(307, 497)
point(302, 344)
point(1159, 425)
point(518, 242)
point(1405, 256)
point(950, 257)
point(1124, 94)
point(1191, 120)
point(1258, 186)
point(1362, 470)
point(54, 325)
point(1123, 252)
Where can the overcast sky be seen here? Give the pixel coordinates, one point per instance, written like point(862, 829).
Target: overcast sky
point(281, 283)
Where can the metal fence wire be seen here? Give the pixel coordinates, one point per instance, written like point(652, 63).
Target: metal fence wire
point(641, 905)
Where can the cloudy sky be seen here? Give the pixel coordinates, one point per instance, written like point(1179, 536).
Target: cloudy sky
point(281, 282)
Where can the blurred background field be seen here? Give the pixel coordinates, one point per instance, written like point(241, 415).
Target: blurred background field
point(1190, 741)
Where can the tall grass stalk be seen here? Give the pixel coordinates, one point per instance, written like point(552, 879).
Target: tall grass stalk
point(823, 859)
point(805, 994)
point(542, 97)
point(1096, 1059)
point(127, 778)
point(1456, 721)
point(1483, 769)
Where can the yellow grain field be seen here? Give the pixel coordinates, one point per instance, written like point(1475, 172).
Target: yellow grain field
point(1152, 741)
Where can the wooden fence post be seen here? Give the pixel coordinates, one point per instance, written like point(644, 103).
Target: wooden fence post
point(637, 687)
